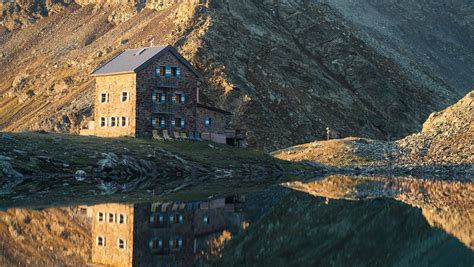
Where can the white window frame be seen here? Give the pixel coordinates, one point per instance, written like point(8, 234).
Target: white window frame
point(104, 241)
point(105, 122)
point(98, 216)
point(124, 218)
point(127, 95)
point(106, 97)
point(124, 244)
point(122, 120)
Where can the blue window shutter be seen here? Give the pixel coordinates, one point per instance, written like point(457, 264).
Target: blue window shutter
point(182, 123)
point(178, 72)
point(181, 218)
point(168, 71)
point(153, 96)
point(174, 97)
point(162, 124)
point(152, 219)
point(157, 71)
point(183, 99)
point(150, 243)
point(173, 123)
point(153, 122)
point(162, 97)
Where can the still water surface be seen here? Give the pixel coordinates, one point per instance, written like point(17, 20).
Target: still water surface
point(330, 221)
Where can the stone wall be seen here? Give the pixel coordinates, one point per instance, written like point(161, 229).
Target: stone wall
point(110, 254)
point(219, 121)
point(114, 85)
point(147, 82)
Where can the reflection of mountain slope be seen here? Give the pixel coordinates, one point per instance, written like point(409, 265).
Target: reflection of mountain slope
point(303, 231)
point(52, 237)
point(445, 204)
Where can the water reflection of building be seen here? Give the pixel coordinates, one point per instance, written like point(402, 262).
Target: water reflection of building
point(159, 234)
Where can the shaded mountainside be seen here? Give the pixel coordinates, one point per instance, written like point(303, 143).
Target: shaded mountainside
point(287, 70)
point(305, 231)
point(434, 35)
point(447, 138)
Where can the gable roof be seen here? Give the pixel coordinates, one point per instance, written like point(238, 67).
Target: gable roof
point(134, 60)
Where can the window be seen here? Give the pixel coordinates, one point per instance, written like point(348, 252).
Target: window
point(101, 241)
point(156, 244)
point(162, 97)
point(178, 122)
point(124, 121)
point(208, 122)
point(206, 219)
point(103, 122)
point(175, 72)
point(124, 96)
point(111, 217)
point(113, 122)
point(179, 98)
point(162, 122)
point(121, 244)
point(176, 243)
point(100, 216)
point(168, 71)
point(122, 219)
point(104, 97)
point(160, 71)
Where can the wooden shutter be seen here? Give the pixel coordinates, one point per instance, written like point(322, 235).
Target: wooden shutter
point(167, 71)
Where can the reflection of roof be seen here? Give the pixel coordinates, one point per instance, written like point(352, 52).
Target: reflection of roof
point(201, 105)
point(133, 60)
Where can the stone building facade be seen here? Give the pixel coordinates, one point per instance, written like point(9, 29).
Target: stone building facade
point(160, 234)
point(152, 88)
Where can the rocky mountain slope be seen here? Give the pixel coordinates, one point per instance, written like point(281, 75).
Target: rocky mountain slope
point(447, 138)
point(434, 36)
point(286, 69)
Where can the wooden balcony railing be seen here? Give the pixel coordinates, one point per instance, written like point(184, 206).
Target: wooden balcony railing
point(165, 108)
point(170, 82)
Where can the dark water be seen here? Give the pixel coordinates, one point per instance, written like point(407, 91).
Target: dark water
point(315, 225)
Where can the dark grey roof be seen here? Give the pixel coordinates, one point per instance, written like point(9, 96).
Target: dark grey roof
point(202, 105)
point(133, 60)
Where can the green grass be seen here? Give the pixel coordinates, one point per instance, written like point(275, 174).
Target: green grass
point(84, 151)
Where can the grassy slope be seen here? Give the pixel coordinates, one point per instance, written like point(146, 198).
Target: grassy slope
point(80, 152)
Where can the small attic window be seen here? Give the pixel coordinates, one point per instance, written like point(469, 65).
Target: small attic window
point(140, 52)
